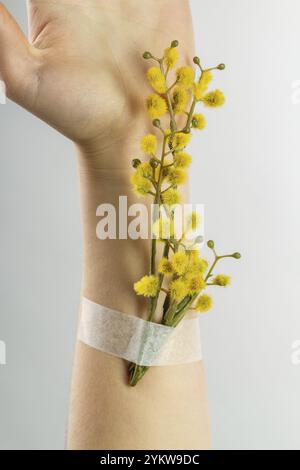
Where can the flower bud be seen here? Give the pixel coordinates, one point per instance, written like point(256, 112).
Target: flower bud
point(153, 163)
point(156, 123)
point(174, 43)
point(211, 244)
point(136, 162)
point(236, 255)
point(221, 67)
point(196, 60)
point(147, 55)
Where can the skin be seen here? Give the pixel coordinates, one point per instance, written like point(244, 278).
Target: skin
point(81, 72)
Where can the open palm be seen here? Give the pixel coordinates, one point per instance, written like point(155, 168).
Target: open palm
point(81, 69)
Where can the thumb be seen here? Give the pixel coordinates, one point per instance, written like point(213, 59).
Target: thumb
point(18, 64)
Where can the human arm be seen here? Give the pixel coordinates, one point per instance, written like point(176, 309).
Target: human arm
point(83, 74)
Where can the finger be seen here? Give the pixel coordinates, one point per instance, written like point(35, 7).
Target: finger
point(18, 61)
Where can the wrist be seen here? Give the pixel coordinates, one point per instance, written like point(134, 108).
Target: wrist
point(113, 148)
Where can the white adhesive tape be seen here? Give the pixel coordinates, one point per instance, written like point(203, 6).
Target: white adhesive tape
point(139, 341)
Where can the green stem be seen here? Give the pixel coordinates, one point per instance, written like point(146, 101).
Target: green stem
point(154, 300)
point(211, 268)
point(217, 258)
point(192, 109)
point(168, 317)
point(190, 116)
point(136, 371)
point(173, 124)
point(153, 256)
point(137, 374)
point(167, 189)
point(171, 87)
point(181, 313)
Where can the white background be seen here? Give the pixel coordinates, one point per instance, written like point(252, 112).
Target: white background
point(246, 171)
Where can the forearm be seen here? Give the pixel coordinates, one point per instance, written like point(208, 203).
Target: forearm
point(110, 266)
point(168, 408)
point(82, 74)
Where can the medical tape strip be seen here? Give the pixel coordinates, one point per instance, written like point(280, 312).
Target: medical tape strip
point(136, 340)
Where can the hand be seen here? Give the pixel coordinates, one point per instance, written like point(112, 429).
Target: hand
point(82, 69)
